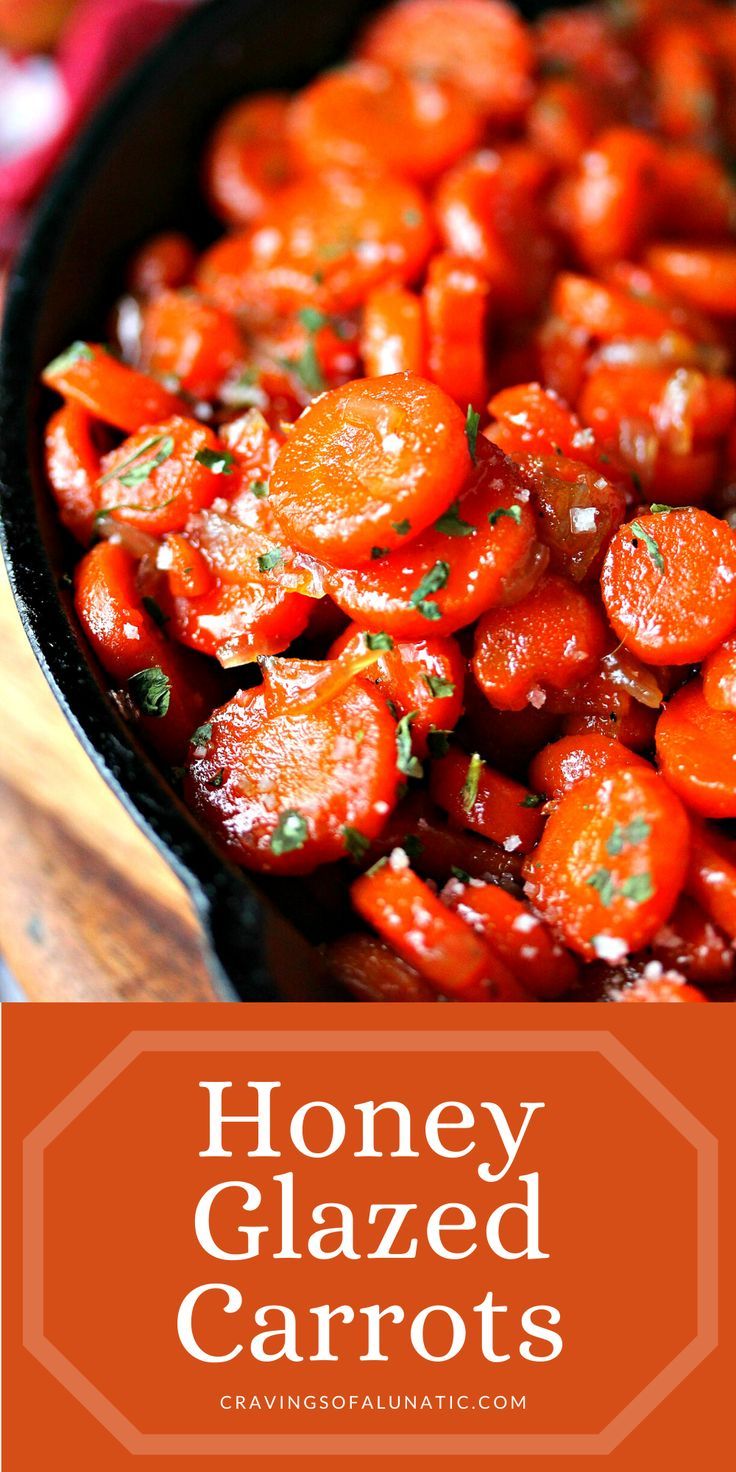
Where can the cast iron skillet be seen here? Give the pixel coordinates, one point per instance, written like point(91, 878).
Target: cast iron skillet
point(135, 171)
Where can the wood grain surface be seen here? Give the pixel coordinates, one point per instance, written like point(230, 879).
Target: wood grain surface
point(89, 911)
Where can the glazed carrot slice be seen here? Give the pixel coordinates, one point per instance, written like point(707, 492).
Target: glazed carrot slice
point(579, 510)
point(553, 638)
point(704, 276)
point(72, 467)
point(187, 571)
point(238, 622)
point(653, 579)
point(474, 796)
point(517, 935)
point(456, 305)
point(612, 199)
point(372, 972)
point(719, 677)
point(607, 312)
point(164, 263)
point(685, 81)
point(423, 679)
point(169, 695)
point(372, 463)
point(325, 241)
point(611, 862)
point(109, 390)
point(362, 116)
point(155, 479)
point(482, 45)
point(564, 763)
point(563, 119)
point(249, 158)
point(691, 944)
point(533, 420)
point(285, 794)
point(392, 334)
point(684, 407)
point(254, 445)
point(666, 988)
point(696, 748)
point(190, 341)
point(711, 878)
point(482, 552)
point(439, 944)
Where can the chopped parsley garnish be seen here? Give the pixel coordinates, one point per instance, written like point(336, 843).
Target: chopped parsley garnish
point(623, 836)
point(412, 218)
point(514, 512)
point(203, 735)
point(356, 843)
point(269, 560)
point(412, 846)
point(432, 581)
point(313, 319)
point(379, 641)
point(154, 610)
point(472, 425)
point(602, 880)
point(73, 354)
point(470, 785)
point(290, 833)
point(438, 742)
point(438, 687)
point(377, 552)
point(452, 525)
point(532, 800)
point(461, 874)
point(151, 691)
point(135, 469)
point(220, 462)
point(638, 888)
point(652, 546)
point(259, 489)
point(407, 763)
point(402, 528)
point(659, 507)
point(218, 779)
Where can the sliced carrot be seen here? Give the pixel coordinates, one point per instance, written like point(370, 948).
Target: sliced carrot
point(691, 944)
point(517, 935)
point(72, 467)
point(372, 972)
point(439, 944)
point(666, 988)
point(238, 622)
point(474, 796)
point(372, 463)
point(163, 263)
point(249, 158)
point(613, 197)
point(719, 677)
point(704, 276)
point(711, 878)
point(285, 794)
point(392, 335)
point(482, 553)
point(579, 510)
point(424, 680)
point(109, 390)
point(564, 763)
point(456, 305)
point(187, 571)
point(652, 582)
point(611, 862)
point(362, 116)
point(190, 341)
point(696, 748)
point(554, 638)
point(155, 479)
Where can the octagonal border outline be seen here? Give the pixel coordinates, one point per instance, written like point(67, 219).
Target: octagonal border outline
point(598, 1443)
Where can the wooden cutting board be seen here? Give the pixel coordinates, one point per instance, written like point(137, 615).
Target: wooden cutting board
point(89, 911)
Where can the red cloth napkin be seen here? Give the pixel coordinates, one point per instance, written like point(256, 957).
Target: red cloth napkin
point(101, 40)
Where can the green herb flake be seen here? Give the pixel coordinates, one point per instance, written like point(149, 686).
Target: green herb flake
point(652, 546)
point(624, 836)
point(638, 888)
point(513, 512)
point(461, 874)
point(154, 610)
point(379, 641)
point(438, 686)
point(432, 581)
point(402, 528)
point(290, 833)
point(659, 508)
point(412, 846)
point(73, 354)
point(532, 800)
point(356, 843)
point(218, 779)
point(269, 560)
point(602, 881)
point(203, 735)
point(220, 462)
point(307, 368)
point(438, 742)
point(412, 218)
point(313, 319)
point(151, 691)
point(469, 794)
point(472, 425)
point(407, 763)
point(259, 489)
point(138, 467)
point(377, 552)
point(452, 525)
